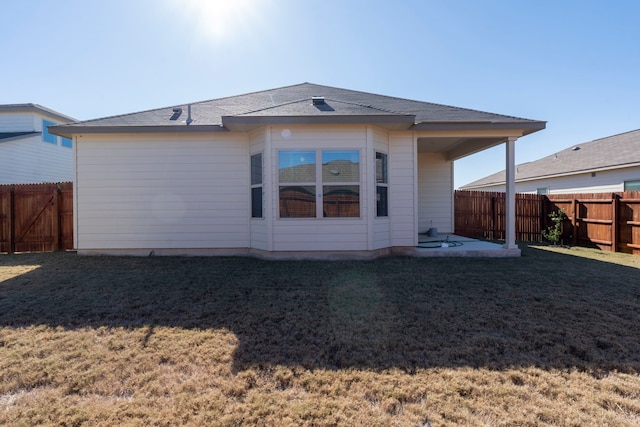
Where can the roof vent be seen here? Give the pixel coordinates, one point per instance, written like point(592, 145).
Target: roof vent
point(576, 148)
point(189, 119)
point(317, 100)
point(176, 113)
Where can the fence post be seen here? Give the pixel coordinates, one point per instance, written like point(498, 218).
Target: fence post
point(10, 220)
point(574, 221)
point(55, 226)
point(494, 218)
point(615, 209)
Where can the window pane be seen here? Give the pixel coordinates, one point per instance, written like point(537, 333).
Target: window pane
point(341, 200)
point(632, 185)
point(541, 191)
point(256, 169)
point(66, 142)
point(297, 166)
point(46, 136)
point(256, 202)
point(298, 201)
point(381, 168)
point(382, 208)
point(341, 166)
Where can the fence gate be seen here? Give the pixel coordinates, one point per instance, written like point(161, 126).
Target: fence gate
point(36, 217)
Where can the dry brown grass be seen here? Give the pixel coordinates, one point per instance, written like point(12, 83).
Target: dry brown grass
point(552, 338)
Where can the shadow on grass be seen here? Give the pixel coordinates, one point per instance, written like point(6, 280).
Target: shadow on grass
point(543, 309)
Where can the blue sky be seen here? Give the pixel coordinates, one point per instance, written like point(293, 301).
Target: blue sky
point(574, 64)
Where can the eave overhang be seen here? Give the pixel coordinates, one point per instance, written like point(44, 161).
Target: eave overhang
point(68, 131)
point(526, 127)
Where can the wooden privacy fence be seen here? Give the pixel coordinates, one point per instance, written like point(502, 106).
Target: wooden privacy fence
point(609, 221)
point(36, 217)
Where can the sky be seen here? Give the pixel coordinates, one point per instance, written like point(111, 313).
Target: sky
point(573, 64)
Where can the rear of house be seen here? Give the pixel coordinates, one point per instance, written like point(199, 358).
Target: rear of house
point(300, 171)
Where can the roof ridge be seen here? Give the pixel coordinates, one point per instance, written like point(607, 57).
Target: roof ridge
point(269, 107)
point(611, 136)
point(373, 107)
point(425, 102)
point(186, 103)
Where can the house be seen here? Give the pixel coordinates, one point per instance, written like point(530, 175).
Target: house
point(29, 153)
point(610, 164)
point(304, 170)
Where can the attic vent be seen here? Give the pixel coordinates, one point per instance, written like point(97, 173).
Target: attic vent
point(317, 100)
point(576, 148)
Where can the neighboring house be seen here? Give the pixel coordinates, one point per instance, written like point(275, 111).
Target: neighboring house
point(304, 168)
point(609, 164)
point(28, 152)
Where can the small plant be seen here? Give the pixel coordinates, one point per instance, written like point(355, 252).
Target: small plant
point(553, 233)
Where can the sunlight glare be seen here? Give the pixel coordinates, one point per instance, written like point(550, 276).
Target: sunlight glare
point(218, 20)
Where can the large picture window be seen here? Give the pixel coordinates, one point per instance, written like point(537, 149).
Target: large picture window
point(382, 185)
point(303, 181)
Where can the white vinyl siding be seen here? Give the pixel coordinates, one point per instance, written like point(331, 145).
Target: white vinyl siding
point(435, 195)
point(155, 191)
point(402, 191)
point(319, 234)
point(13, 121)
point(30, 161)
point(603, 182)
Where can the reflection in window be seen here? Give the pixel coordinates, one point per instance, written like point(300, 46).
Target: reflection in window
point(338, 176)
point(341, 166)
point(297, 201)
point(382, 185)
point(341, 200)
point(256, 186)
point(297, 166)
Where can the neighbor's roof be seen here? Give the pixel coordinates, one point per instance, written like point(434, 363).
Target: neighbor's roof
point(36, 108)
point(613, 152)
point(293, 104)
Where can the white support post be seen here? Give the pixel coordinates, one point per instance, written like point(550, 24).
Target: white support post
point(510, 220)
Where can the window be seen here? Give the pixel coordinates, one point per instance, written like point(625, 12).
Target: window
point(256, 186)
point(542, 191)
point(382, 185)
point(46, 136)
point(297, 179)
point(300, 177)
point(66, 142)
point(632, 185)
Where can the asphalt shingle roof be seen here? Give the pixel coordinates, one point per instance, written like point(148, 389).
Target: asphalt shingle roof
point(611, 152)
point(295, 101)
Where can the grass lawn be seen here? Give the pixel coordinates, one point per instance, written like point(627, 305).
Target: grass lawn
point(551, 338)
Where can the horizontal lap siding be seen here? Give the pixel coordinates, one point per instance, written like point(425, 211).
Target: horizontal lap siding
point(31, 160)
point(401, 190)
point(435, 193)
point(610, 181)
point(18, 122)
point(320, 234)
point(162, 192)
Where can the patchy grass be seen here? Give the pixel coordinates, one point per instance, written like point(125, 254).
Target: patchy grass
point(552, 338)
